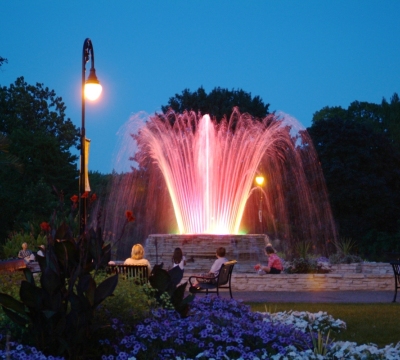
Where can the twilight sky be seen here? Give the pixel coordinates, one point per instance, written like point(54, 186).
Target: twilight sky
point(298, 56)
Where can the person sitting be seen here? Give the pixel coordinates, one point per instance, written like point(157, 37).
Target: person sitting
point(214, 271)
point(41, 250)
point(274, 262)
point(178, 259)
point(25, 253)
point(137, 257)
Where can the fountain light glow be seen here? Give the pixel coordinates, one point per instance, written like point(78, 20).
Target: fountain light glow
point(209, 168)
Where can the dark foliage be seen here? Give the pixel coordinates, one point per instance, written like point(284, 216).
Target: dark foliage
point(40, 136)
point(359, 152)
point(218, 103)
point(59, 313)
point(163, 282)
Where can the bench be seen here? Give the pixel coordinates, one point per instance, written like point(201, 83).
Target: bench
point(221, 281)
point(396, 270)
point(140, 272)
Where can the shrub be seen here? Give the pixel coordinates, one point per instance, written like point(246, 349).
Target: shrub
point(13, 244)
point(302, 266)
point(345, 246)
point(344, 259)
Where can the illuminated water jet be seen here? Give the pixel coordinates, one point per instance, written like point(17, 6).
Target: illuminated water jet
point(205, 172)
point(209, 169)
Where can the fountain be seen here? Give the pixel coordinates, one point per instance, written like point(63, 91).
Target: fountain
point(203, 173)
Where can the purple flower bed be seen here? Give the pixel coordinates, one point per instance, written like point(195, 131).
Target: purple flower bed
point(216, 328)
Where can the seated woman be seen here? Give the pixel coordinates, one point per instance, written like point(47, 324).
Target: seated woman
point(178, 259)
point(274, 262)
point(137, 257)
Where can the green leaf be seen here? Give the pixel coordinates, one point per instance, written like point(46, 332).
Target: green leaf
point(105, 289)
point(19, 320)
point(11, 303)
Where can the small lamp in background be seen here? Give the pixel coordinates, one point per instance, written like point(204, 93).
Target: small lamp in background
point(260, 181)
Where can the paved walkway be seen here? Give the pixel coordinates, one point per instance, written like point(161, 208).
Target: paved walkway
point(360, 296)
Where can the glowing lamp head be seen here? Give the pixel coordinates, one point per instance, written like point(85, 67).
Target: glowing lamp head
point(260, 180)
point(92, 86)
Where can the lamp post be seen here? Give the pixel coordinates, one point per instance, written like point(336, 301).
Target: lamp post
point(260, 181)
point(91, 89)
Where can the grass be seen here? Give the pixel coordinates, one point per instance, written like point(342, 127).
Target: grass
point(366, 323)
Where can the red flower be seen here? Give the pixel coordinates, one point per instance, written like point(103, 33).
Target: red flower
point(129, 216)
point(85, 195)
point(74, 198)
point(45, 226)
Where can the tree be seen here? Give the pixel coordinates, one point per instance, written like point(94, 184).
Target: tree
point(7, 159)
point(218, 103)
point(33, 120)
point(3, 61)
point(361, 165)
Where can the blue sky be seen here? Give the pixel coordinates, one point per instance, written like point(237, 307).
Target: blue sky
point(298, 56)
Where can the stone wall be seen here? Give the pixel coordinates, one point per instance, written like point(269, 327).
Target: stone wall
point(312, 282)
point(200, 250)
point(348, 277)
point(365, 268)
point(248, 250)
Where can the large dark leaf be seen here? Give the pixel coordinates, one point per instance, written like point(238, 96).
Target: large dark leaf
point(42, 262)
point(178, 294)
point(50, 281)
point(11, 303)
point(67, 254)
point(19, 320)
point(29, 276)
point(106, 256)
point(78, 303)
point(54, 302)
point(87, 285)
point(160, 280)
point(31, 295)
point(94, 246)
point(62, 232)
point(105, 289)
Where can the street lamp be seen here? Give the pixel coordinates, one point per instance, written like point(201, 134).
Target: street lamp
point(260, 181)
point(91, 89)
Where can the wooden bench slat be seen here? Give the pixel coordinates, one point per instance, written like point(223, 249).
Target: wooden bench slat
point(141, 272)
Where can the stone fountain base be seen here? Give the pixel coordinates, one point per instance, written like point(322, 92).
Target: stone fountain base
point(199, 250)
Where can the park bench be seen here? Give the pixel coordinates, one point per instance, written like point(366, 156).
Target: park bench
point(140, 272)
point(214, 284)
point(396, 270)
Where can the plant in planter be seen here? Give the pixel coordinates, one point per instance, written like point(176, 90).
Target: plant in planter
point(60, 311)
point(167, 291)
point(344, 252)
